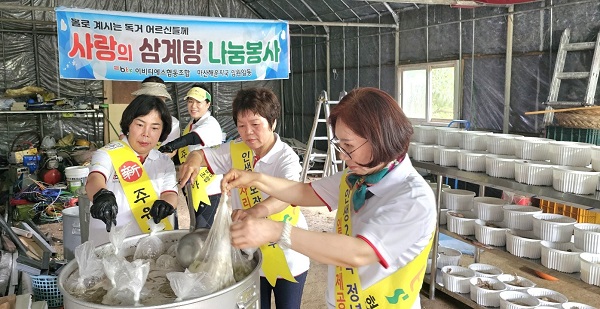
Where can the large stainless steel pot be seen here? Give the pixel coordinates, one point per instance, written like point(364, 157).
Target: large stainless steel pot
point(243, 294)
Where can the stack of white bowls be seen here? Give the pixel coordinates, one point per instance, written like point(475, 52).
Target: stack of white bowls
point(536, 173)
point(421, 152)
point(501, 144)
point(561, 256)
point(520, 217)
point(500, 166)
point(571, 175)
point(587, 238)
point(471, 161)
point(459, 217)
point(447, 257)
point(523, 244)
point(553, 227)
point(485, 270)
point(448, 137)
point(473, 140)
point(425, 134)
point(532, 148)
point(445, 156)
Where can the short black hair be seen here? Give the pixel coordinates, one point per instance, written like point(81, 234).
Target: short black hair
point(153, 79)
point(259, 100)
point(142, 105)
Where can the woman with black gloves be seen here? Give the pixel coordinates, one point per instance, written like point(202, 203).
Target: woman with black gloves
point(129, 180)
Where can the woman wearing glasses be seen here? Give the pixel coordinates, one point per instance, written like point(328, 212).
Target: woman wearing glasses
point(385, 211)
point(203, 131)
point(255, 112)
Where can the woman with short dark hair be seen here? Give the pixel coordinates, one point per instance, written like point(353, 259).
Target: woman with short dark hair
point(259, 148)
point(386, 212)
point(129, 180)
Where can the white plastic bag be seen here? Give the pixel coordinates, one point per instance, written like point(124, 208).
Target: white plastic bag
point(150, 247)
point(129, 281)
point(116, 237)
point(215, 257)
point(188, 285)
point(90, 269)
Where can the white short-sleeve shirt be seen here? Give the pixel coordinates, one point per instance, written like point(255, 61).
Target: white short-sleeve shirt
point(161, 171)
point(397, 221)
point(209, 131)
point(280, 161)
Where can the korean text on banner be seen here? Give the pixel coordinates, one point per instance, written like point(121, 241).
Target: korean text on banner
point(109, 45)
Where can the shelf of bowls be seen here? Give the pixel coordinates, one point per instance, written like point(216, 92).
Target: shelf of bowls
point(559, 241)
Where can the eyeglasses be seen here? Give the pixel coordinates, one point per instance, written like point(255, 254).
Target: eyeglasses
point(335, 142)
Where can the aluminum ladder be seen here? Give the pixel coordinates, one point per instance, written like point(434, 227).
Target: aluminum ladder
point(591, 76)
point(331, 162)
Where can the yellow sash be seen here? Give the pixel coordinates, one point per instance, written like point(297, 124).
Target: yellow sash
point(135, 182)
point(201, 182)
point(398, 290)
point(274, 262)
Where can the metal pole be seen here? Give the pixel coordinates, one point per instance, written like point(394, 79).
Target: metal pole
point(508, 69)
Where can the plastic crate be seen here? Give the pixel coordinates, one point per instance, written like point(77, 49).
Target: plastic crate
point(591, 136)
point(582, 215)
point(46, 288)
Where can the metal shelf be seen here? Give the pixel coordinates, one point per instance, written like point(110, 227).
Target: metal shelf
point(52, 111)
point(590, 201)
point(573, 278)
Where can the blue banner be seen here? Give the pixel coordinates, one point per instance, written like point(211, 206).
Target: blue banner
point(109, 45)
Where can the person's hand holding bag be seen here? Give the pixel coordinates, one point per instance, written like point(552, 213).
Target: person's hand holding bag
point(160, 210)
point(105, 208)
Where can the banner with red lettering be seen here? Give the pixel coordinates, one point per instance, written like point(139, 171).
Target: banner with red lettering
point(110, 45)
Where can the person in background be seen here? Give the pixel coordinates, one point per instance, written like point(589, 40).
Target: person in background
point(129, 179)
point(255, 112)
point(386, 212)
point(202, 131)
point(155, 86)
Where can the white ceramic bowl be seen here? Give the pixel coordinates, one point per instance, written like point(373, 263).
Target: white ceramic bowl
point(570, 153)
point(520, 217)
point(490, 233)
point(590, 268)
point(471, 161)
point(433, 186)
point(500, 166)
point(425, 134)
point(587, 237)
point(422, 152)
point(486, 297)
point(548, 297)
point(473, 140)
point(461, 222)
point(448, 136)
point(456, 278)
point(485, 270)
point(447, 257)
point(553, 227)
point(572, 305)
point(515, 282)
point(596, 158)
point(489, 208)
point(532, 148)
point(502, 144)
point(411, 148)
point(577, 180)
point(523, 244)
point(561, 256)
point(457, 199)
point(445, 156)
point(536, 173)
point(517, 300)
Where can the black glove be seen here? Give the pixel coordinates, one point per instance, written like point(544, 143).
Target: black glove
point(160, 210)
point(105, 208)
point(188, 139)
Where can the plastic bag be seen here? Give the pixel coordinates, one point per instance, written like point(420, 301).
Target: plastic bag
point(112, 266)
point(167, 262)
point(128, 284)
point(188, 285)
point(151, 246)
point(116, 237)
point(215, 257)
point(242, 266)
point(90, 269)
